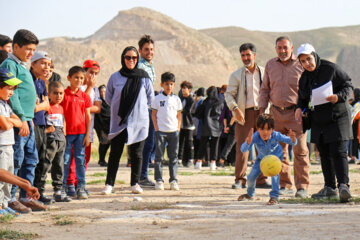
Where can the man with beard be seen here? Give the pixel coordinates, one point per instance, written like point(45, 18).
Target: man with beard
point(280, 87)
point(242, 97)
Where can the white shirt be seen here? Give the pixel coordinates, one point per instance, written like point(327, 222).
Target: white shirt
point(167, 107)
point(253, 88)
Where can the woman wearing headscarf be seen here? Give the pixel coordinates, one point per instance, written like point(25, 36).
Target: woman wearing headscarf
point(129, 92)
point(330, 122)
point(209, 112)
point(355, 114)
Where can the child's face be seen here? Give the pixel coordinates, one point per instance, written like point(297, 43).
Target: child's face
point(168, 87)
point(185, 91)
point(265, 132)
point(91, 73)
point(7, 47)
point(41, 68)
point(76, 80)
point(56, 95)
point(25, 52)
point(6, 92)
point(102, 92)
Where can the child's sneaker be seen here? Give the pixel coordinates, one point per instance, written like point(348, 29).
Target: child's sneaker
point(108, 189)
point(212, 166)
point(159, 185)
point(61, 196)
point(81, 194)
point(70, 190)
point(136, 189)
point(198, 164)
point(174, 185)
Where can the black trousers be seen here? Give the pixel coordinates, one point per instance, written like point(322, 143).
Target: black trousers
point(43, 165)
point(135, 153)
point(230, 143)
point(334, 162)
point(186, 145)
point(103, 148)
point(214, 147)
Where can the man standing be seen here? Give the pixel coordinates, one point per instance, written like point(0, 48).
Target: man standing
point(146, 50)
point(280, 87)
point(242, 97)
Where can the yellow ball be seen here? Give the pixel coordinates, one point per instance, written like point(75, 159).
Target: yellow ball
point(270, 165)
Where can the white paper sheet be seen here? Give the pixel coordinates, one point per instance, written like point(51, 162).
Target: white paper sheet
point(320, 94)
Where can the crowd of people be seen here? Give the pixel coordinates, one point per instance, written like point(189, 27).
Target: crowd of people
point(46, 127)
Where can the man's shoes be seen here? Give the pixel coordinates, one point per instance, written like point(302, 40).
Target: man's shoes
point(301, 193)
point(46, 200)
point(103, 164)
point(19, 207)
point(35, 206)
point(174, 185)
point(325, 193)
point(81, 193)
point(264, 185)
point(70, 190)
point(136, 189)
point(344, 193)
point(285, 191)
point(146, 183)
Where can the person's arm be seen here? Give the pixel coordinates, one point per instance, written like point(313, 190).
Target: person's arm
point(50, 129)
point(342, 86)
point(96, 108)
point(43, 106)
point(248, 141)
point(291, 139)
point(5, 124)
point(64, 127)
point(232, 91)
point(15, 120)
point(86, 140)
point(149, 91)
point(264, 96)
point(153, 116)
point(90, 84)
point(179, 120)
point(109, 90)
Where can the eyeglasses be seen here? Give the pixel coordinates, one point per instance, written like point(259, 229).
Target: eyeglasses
point(134, 58)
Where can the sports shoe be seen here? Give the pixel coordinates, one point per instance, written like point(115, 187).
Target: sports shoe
point(159, 185)
point(136, 189)
point(34, 205)
point(198, 165)
point(326, 193)
point(212, 166)
point(70, 190)
point(81, 194)
point(190, 164)
point(19, 207)
point(236, 185)
point(174, 185)
point(46, 200)
point(285, 191)
point(146, 183)
point(344, 193)
point(301, 193)
point(103, 164)
point(61, 197)
point(108, 189)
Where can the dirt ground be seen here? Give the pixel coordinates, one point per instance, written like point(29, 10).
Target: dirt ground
point(205, 208)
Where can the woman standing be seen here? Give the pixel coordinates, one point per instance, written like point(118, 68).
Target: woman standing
point(330, 121)
point(129, 92)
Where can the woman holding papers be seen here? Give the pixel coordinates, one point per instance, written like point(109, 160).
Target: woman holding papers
point(324, 87)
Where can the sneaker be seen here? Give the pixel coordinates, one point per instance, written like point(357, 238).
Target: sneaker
point(19, 207)
point(285, 191)
point(103, 164)
point(108, 189)
point(301, 193)
point(212, 166)
point(198, 165)
point(61, 197)
point(273, 201)
point(344, 193)
point(236, 185)
point(190, 164)
point(34, 205)
point(146, 183)
point(81, 194)
point(159, 185)
point(46, 200)
point(174, 185)
point(264, 185)
point(326, 193)
point(70, 190)
point(136, 189)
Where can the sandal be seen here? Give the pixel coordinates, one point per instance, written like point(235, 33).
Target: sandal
point(3, 212)
point(273, 201)
point(244, 197)
point(12, 212)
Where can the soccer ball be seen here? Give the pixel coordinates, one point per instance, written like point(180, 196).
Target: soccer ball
point(270, 165)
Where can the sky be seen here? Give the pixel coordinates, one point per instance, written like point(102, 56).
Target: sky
point(81, 18)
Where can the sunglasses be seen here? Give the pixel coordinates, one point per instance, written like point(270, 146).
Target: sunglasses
point(134, 58)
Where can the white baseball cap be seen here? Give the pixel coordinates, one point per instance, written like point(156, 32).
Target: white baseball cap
point(305, 48)
point(39, 55)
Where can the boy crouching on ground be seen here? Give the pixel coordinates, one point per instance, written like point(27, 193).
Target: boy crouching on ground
point(166, 116)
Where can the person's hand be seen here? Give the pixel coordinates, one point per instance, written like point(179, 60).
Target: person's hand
point(37, 100)
point(332, 98)
point(261, 110)
point(32, 192)
point(292, 136)
point(50, 129)
point(24, 129)
point(91, 81)
point(226, 130)
point(239, 115)
point(250, 136)
point(86, 141)
point(46, 102)
point(298, 115)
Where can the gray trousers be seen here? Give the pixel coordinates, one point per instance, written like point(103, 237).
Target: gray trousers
point(7, 163)
point(172, 140)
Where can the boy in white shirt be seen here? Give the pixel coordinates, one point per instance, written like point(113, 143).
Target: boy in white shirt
point(166, 116)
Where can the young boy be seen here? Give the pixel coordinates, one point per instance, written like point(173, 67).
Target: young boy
point(23, 104)
point(5, 43)
point(266, 141)
point(76, 105)
point(8, 120)
point(55, 146)
point(166, 116)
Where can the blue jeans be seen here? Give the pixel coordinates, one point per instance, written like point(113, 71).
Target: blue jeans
point(149, 149)
point(251, 181)
point(172, 140)
point(75, 142)
point(25, 158)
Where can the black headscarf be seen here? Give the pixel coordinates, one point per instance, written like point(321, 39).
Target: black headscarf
point(356, 96)
point(130, 91)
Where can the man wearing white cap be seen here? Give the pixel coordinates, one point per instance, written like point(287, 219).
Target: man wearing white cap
point(280, 87)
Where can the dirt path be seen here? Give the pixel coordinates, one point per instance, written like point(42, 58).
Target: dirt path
point(204, 208)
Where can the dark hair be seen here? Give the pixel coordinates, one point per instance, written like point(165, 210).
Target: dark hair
point(101, 86)
point(75, 69)
point(145, 39)
point(4, 84)
point(212, 92)
point(200, 92)
point(129, 48)
point(247, 46)
point(167, 77)
point(186, 84)
point(55, 84)
point(265, 119)
point(4, 40)
point(281, 38)
point(3, 55)
point(24, 37)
